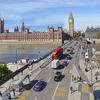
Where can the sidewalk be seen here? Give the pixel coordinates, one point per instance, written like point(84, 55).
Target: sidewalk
point(88, 74)
point(81, 89)
point(77, 94)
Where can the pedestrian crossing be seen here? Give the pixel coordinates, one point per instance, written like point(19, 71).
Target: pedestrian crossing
point(85, 88)
point(61, 91)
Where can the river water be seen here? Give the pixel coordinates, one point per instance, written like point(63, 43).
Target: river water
point(11, 53)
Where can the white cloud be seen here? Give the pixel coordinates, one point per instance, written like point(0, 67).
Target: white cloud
point(21, 7)
point(17, 10)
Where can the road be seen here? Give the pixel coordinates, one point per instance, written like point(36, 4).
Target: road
point(54, 90)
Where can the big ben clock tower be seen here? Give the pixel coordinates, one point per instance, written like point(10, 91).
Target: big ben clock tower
point(71, 24)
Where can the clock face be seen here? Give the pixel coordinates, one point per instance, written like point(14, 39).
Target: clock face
point(70, 21)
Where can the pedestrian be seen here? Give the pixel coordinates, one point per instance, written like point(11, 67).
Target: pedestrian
point(13, 91)
point(0, 94)
point(71, 89)
point(96, 78)
point(79, 67)
point(80, 78)
point(72, 77)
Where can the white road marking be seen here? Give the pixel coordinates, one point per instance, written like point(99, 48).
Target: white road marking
point(49, 79)
point(55, 91)
point(35, 98)
point(57, 86)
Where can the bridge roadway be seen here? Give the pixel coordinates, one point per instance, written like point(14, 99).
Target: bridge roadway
point(54, 90)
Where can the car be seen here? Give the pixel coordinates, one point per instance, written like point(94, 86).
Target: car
point(69, 56)
point(58, 77)
point(58, 73)
point(39, 85)
point(68, 50)
point(96, 94)
point(65, 63)
point(71, 52)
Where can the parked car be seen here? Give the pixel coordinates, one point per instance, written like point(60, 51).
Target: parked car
point(39, 85)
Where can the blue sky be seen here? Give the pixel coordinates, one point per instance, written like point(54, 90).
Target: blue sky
point(39, 14)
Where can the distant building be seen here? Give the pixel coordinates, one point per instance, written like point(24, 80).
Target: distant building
point(91, 32)
point(24, 34)
point(71, 25)
point(1, 25)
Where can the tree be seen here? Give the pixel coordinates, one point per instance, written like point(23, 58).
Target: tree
point(83, 34)
point(77, 34)
point(4, 71)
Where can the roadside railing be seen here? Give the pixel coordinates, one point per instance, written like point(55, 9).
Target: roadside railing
point(12, 75)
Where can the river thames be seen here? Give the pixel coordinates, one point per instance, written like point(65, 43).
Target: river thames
point(11, 53)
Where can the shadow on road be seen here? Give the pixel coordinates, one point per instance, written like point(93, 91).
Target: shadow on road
point(30, 85)
point(63, 56)
point(60, 67)
point(63, 76)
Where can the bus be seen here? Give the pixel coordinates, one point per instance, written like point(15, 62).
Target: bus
point(57, 53)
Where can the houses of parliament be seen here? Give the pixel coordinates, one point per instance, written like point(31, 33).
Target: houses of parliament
point(24, 34)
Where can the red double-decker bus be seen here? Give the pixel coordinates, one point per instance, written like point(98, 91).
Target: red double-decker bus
point(57, 53)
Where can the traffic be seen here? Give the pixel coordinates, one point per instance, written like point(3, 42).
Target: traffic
point(60, 59)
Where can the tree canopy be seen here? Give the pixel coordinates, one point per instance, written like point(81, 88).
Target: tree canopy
point(77, 34)
point(4, 71)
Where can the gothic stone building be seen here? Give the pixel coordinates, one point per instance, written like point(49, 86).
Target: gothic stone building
point(71, 24)
point(24, 34)
point(91, 33)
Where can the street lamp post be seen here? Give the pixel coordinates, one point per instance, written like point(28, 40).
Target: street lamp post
point(91, 75)
point(38, 54)
point(16, 57)
point(86, 63)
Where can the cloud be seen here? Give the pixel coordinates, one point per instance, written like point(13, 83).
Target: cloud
point(42, 11)
point(21, 6)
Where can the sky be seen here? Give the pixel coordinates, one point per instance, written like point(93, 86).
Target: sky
point(39, 14)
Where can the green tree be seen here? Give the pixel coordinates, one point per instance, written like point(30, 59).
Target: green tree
point(4, 71)
point(83, 34)
point(77, 34)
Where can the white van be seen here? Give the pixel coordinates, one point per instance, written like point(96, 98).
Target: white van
point(55, 63)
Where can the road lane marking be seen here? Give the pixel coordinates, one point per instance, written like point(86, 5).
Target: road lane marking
point(85, 88)
point(35, 98)
point(49, 79)
point(57, 86)
point(61, 92)
point(55, 91)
